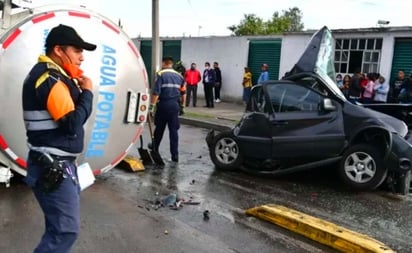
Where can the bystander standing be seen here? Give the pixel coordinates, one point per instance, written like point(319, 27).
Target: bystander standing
point(192, 79)
point(209, 78)
point(218, 81)
point(346, 85)
point(405, 94)
point(247, 84)
point(381, 90)
point(395, 87)
point(264, 74)
point(368, 91)
point(355, 88)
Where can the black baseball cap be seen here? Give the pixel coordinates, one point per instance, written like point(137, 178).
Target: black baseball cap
point(66, 35)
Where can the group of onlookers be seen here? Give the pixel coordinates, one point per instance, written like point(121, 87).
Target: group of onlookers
point(360, 87)
point(374, 88)
point(212, 83)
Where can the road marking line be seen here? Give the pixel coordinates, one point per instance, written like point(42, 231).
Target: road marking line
point(319, 230)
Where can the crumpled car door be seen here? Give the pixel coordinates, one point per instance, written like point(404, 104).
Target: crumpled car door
point(299, 127)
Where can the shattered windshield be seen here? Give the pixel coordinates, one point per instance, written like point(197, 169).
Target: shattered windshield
point(318, 58)
point(324, 65)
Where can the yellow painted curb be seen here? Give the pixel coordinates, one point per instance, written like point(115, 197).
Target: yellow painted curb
point(319, 230)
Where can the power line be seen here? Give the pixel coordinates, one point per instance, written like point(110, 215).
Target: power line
point(195, 14)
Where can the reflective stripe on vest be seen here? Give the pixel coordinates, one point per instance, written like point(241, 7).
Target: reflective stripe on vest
point(38, 120)
point(51, 150)
point(167, 70)
point(170, 85)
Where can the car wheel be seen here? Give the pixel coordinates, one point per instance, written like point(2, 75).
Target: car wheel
point(362, 168)
point(225, 152)
point(403, 184)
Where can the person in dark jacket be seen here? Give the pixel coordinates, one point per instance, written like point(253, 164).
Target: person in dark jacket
point(355, 88)
point(209, 80)
point(180, 68)
point(405, 93)
point(218, 81)
point(57, 101)
point(395, 87)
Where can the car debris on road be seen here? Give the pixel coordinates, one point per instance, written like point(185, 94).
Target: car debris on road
point(172, 200)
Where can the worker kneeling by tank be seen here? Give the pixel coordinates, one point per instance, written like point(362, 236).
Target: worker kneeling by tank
point(304, 121)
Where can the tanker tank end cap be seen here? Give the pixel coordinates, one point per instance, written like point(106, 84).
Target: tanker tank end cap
point(66, 35)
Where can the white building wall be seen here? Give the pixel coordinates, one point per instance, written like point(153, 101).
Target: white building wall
point(230, 52)
point(388, 45)
point(292, 48)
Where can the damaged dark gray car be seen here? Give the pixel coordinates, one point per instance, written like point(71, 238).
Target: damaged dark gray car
point(304, 121)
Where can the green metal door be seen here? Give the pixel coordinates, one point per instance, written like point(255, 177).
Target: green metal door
point(402, 57)
point(146, 52)
point(172, 48)
point(264, 51)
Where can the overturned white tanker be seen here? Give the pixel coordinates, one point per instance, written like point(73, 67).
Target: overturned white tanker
point(115, 67)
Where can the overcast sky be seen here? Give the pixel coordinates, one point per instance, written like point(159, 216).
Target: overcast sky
point(212, 17)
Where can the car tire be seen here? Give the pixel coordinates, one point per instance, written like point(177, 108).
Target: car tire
point(362, 167)
point(403, 184)
point(225, 152)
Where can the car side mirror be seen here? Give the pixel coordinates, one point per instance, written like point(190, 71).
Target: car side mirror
point(327, 105)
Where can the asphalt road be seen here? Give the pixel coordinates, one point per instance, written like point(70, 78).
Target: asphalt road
point(120, 212)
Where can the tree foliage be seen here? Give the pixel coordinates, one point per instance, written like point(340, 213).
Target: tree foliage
point(289, 21)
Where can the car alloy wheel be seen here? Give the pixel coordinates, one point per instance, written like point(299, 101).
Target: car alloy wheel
point(225, 152)
point(362, 167)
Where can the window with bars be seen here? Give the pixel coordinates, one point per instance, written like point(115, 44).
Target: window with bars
point(352, 54)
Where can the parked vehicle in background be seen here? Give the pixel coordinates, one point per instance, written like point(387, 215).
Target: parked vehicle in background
point(304, 121)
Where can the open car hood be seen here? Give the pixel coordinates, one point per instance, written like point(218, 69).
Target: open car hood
point(318, 58)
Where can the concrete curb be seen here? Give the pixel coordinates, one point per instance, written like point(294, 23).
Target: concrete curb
point(319, 230)
point(204, 124)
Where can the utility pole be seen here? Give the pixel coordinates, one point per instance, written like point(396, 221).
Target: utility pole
point(198, 30)
point(155, 41)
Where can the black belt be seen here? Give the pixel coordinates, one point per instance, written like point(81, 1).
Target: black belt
point(34, 154)
point(167, 100)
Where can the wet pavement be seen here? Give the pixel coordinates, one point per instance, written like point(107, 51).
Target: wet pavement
point(120, 211)
point(119, 215)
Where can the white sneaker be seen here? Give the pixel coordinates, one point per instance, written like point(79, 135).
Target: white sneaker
point(218, 101)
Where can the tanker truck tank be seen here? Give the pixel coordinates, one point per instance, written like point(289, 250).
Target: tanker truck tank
point(120, 84)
